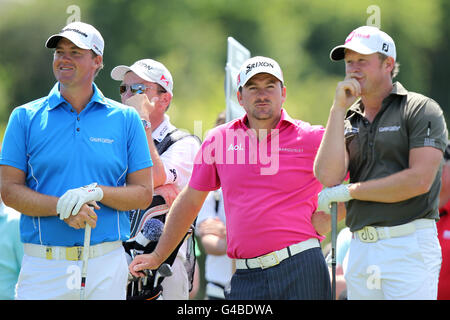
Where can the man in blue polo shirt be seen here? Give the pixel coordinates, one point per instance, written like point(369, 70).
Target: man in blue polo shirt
point(63, 151)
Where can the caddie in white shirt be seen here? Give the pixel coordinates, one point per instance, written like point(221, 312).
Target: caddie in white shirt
point(147, 85)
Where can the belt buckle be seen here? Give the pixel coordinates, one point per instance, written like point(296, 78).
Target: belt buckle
point(261, 263)
point(48, 253)
point(368, 234)
point(74, 253)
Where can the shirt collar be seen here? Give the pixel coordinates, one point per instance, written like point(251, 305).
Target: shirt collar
point(55, 98)
point(163, 129)
point(285, 117)
point(397, 89)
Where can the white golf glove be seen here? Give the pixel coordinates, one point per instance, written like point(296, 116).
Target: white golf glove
point(338, 193)
point(71, 201)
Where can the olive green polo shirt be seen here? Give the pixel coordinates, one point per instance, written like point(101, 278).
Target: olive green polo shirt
point(405, 121)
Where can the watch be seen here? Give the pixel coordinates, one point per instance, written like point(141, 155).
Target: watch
point(146, 124)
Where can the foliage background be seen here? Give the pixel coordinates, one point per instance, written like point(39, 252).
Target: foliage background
point(189, 37)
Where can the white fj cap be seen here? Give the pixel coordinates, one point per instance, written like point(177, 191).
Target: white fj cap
point(149, 70)
point(83, 35)
point(257, 65)
point(366, 40)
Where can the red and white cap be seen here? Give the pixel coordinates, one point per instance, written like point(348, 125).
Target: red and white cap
point(83, 35)
point(257, 65)
point(366, 40)
point(149, 70)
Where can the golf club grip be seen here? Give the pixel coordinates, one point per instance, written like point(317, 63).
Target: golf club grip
point(87, 241)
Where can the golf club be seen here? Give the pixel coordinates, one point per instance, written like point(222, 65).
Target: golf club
point(333, 248)
point(87, 242)
point(164, 271)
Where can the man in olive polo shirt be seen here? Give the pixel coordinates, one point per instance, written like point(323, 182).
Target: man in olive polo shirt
point(393, 147)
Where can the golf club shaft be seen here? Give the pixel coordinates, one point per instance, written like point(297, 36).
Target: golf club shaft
point(333, 248)
point(87, 242)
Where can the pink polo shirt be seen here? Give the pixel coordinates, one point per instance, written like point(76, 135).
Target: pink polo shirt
point(269, 188)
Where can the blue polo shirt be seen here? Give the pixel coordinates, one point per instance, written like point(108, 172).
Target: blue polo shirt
point(59, 149)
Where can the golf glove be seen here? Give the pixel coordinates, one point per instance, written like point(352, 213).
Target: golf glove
point(338, 193)
point(71, 201)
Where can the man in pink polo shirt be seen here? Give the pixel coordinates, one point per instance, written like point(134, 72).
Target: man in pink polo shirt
point(264, 164)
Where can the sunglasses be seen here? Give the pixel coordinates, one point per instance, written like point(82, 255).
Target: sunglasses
point(134, 88)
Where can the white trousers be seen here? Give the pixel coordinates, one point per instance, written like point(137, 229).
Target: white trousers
point(42, 279)
point(176, 287)
point(396, 268)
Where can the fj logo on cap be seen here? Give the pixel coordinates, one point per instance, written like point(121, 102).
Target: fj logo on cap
point(385, 47)
point(258, 64)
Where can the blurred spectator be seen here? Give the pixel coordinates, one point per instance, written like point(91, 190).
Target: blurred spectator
point(212, 233)
point(11, 249)
point(443, 226)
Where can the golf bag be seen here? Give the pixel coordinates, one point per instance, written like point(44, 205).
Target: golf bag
point(146, 228)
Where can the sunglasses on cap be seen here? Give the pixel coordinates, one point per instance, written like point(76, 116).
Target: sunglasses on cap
point(134, 88)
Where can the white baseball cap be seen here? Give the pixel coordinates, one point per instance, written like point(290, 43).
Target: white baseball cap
point(366, 40)
point(257, 65)
point(83, 35)
point(149, 70)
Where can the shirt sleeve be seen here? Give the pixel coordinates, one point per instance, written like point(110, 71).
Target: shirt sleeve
point(14, 150)
point(426, 124)
point(138, 150)
point(178, 161)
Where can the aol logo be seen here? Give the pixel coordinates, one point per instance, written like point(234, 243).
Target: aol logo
point(374, 279)
point(73, 282)
point(237, 147)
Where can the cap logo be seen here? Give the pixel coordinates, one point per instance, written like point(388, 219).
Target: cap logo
point(74, 30)
point(258, 64)
point(357, 35)
point(164, 80)
point(239, 79)
point(145, 65)
point(385, 47)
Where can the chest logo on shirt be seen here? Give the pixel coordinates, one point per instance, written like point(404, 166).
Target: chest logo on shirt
point(389, 129)
point(236, 147)
point(101, 140)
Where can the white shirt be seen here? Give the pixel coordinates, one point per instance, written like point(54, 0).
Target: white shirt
point(178, 159)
